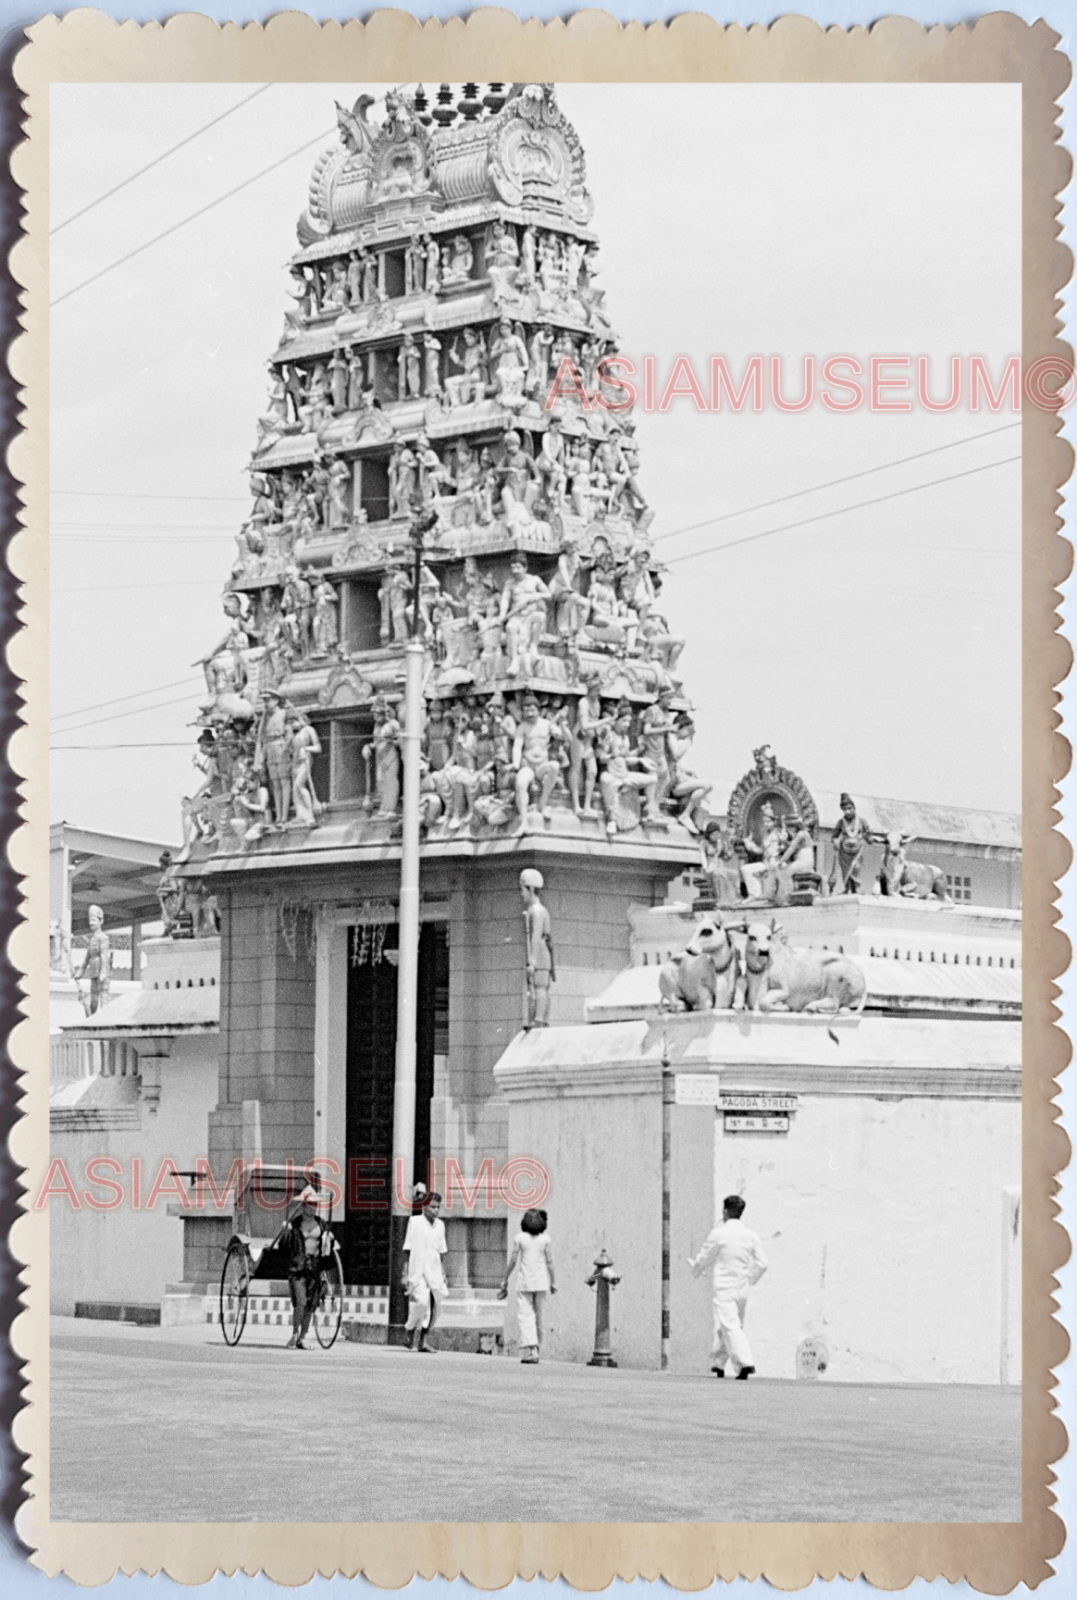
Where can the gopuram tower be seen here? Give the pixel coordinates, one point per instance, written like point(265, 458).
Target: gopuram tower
point(446, 274)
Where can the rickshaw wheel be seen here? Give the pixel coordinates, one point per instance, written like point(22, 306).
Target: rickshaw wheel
point(235, 1283)
point(330, 1308)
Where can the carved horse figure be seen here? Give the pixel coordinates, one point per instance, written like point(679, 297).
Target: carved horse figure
point(781, 978)
point(913, 879)
point(705, 977)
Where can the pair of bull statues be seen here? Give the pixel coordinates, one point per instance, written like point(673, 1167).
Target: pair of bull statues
point(716, 973)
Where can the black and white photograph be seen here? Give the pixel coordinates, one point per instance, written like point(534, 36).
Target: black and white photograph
point(535, 797)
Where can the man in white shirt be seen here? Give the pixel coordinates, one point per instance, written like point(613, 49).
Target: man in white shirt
point(424, 1246)
point(738, 1263)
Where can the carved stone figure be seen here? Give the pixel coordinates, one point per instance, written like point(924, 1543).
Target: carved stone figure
point(509, 359)
point(656, 724)
point(468, 384)
point(339, 511)
point(538, 946)
point(705, 976)
point(528, 256)
point(550, 464)
point(518, 476)
point(403, 469)
point(523, 616)
point(460, 262)
point(324, 629)
point(720, 865)
point(624, 773)
point(914, 880)
point(394, 594)
point(461, 768)
point(686, 792)
point(583, 758)
point(431, 365)
point(384, 750)
point(297, 607)
point(538, 369)
point(781, 978)
point(97, 968)
point(433, 258)
point(850, 839)
point(171, 893)
point(570, 605)
point(274, 751)
point(409, 364)
point(532, 757)
point(305, 745)
point(434, 478)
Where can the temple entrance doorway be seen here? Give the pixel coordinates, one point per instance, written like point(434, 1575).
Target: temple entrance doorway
point(370, 1073)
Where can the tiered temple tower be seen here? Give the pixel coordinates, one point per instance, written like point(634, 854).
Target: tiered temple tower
point(446, 280)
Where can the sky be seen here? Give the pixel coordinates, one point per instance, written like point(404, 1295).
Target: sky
point(875, 646)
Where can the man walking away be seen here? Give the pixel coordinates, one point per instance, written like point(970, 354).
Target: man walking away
point(738, 1263)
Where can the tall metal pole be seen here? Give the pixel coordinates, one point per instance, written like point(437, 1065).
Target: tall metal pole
point(407, 982)
point(668, 1088)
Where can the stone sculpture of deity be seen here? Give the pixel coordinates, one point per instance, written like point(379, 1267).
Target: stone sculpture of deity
point(523, 616)
point(384, 751)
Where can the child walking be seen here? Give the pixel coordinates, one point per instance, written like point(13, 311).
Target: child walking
point(532, 1253)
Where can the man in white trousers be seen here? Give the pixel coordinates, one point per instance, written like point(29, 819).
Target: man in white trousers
point(425, 1244)
point(738, 1263)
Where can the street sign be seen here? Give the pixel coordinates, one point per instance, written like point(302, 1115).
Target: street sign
point(756, 1122)
point(733, 1100)
point(698, 1089)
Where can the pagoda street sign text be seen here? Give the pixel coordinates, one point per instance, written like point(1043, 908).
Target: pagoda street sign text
point(733, 1101)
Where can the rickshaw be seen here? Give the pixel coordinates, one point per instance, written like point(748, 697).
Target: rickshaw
point(262, 1196)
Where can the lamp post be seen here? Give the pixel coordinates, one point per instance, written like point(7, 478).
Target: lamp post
point(407, 983)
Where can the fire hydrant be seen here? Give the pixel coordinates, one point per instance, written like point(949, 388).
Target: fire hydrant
point(603, 1278)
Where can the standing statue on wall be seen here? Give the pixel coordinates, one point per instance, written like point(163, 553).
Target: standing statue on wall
point(384, 750)
point(533, 760)
point(467, 385)
point(324, 624)
point(523, 616)
point(171, 893)
point(305, 745)
point(274, 746)
point(340, 478)
point(409, 363)
point(850, 839)
point(97, 968)
point(538, 942)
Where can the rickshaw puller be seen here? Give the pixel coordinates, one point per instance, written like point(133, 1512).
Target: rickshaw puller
point(302, 1247)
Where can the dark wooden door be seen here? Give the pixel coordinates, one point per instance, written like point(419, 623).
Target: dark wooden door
point(371, 1070)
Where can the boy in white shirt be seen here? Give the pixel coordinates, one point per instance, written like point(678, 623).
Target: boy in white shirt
point(424, 1245)
point(739, 1262)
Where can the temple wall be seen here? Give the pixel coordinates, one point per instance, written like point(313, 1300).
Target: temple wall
point(129, 1254)
point(887, 1210)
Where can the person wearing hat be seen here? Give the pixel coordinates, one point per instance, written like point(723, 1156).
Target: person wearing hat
point(274, 749)
point(538, 942)
point(301, 1247)
point(850, 839)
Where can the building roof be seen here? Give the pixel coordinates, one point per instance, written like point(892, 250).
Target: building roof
point(117, 873)
point(153, 1011)
point(925, 820)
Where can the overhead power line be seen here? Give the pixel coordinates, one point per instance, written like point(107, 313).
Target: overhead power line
point(833, 482)
point(136, 711)
point(120, 699)
point(158, 159)
point(194, 214)
point(824, 516)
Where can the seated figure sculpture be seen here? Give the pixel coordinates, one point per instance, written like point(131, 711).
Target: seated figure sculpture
point(533, 759)
point(623, 771)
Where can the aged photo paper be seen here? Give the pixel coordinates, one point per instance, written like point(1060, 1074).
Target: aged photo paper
point(540, 654)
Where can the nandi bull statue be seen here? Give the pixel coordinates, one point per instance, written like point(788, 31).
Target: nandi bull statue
point(705, 977)
point(781, 978)
point(913, 879)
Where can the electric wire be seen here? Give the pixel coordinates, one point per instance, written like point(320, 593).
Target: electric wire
point(824, 516)
point(93, 278)
point(136, 711)
point(833, 482)
point(120, 699)
point(158, 159)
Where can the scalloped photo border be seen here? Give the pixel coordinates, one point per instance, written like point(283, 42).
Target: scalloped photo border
point(87, 46)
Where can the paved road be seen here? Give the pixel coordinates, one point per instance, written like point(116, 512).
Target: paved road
point(156, 1425)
